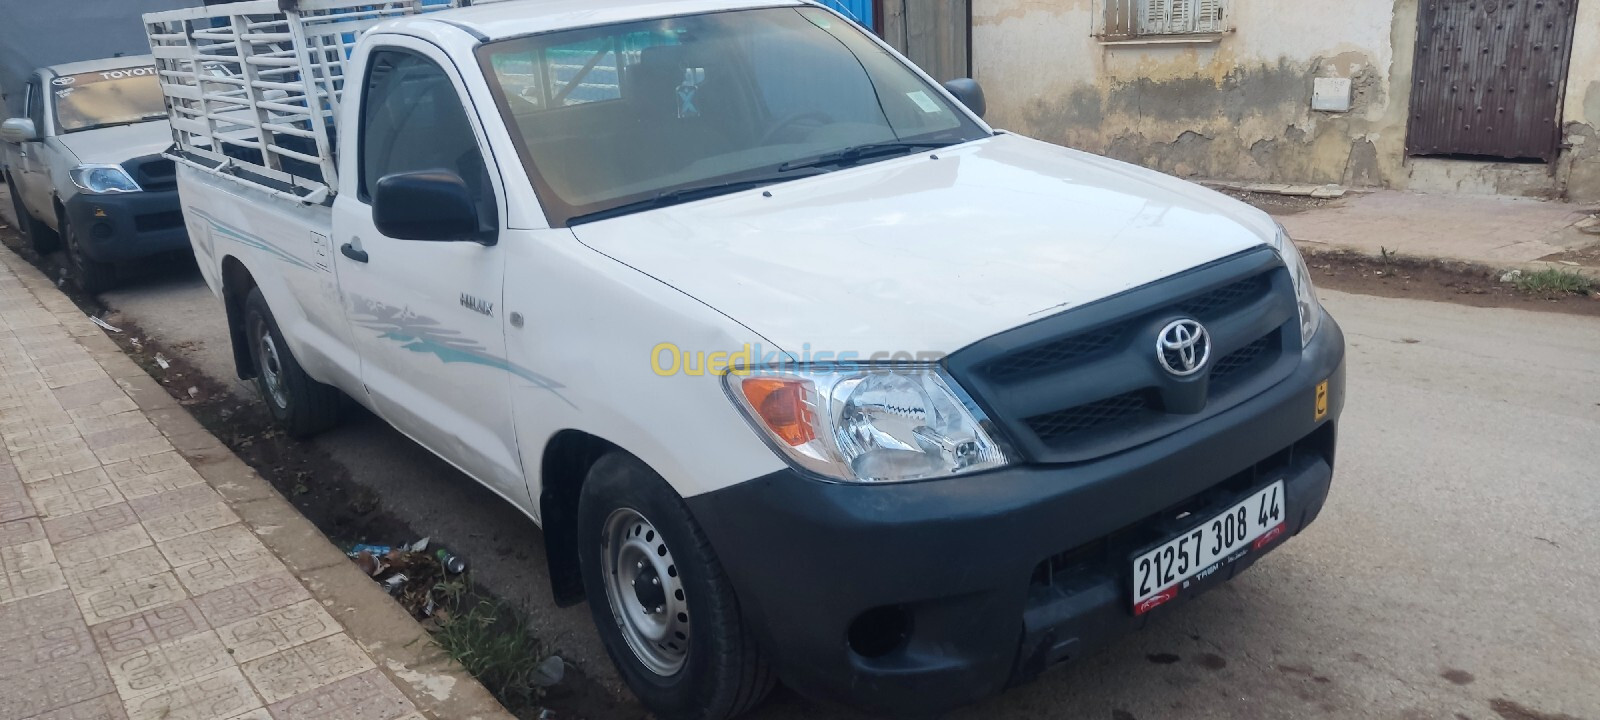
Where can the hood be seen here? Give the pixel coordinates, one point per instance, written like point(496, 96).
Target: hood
point(923, 255)
point(116, 145)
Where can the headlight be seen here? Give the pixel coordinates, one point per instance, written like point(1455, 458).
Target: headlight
point(103, 179)
point(1305, 294)
point(868, 423)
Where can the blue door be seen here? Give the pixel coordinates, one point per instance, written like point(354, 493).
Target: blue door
point(860, 10)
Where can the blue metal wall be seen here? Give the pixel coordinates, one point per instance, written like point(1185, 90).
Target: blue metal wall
point(861, 10)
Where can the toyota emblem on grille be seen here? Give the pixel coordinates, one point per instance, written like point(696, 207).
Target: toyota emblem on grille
point(1183, 347)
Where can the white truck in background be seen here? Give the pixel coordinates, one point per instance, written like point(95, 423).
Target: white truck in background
point(806, 372)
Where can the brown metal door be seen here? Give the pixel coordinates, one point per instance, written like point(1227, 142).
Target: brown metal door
point(934, 34)
point(1489, 77)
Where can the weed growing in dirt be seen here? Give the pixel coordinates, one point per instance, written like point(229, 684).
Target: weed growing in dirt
point(492, 641)
point(1554, 281)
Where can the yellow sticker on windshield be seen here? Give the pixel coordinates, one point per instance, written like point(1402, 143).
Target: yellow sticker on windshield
point(1322, 401)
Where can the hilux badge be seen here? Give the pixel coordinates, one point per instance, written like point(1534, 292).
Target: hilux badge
point(1183, 347)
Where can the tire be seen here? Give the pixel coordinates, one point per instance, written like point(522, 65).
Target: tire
point(40, 236)
point(300, 406)
point(89, 275)
point(627, 515)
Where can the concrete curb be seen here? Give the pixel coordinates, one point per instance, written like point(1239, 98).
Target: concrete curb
point(1333, 251)
point(403, 650)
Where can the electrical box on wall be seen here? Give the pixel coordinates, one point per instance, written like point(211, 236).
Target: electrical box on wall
point(1330, 94)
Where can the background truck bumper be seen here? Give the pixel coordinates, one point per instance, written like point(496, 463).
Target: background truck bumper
point(914, 598)
point(125, 226)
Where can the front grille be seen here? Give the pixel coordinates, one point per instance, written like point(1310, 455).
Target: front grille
point(1056, 426)
point(152, 172)
point(1087, 383)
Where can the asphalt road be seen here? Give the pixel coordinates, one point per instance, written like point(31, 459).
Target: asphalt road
point(1455, 572)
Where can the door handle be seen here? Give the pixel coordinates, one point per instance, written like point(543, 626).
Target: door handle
point(351, 252)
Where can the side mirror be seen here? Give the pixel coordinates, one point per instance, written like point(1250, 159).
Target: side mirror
point(18, 130)
point(426, 205)
point(969, 93)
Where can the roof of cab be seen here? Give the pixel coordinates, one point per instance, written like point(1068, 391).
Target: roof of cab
point(514, 18)
point(116, 63)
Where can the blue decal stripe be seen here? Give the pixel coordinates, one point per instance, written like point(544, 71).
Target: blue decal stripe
point(253, 241)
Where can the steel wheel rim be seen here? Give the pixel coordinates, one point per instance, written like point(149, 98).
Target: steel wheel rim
point(640, 573)
point(271, 368)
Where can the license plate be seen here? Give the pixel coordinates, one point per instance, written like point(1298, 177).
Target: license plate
point(1252, 523)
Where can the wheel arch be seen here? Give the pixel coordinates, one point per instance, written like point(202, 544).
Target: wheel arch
point(566, 462)
point(237, 282)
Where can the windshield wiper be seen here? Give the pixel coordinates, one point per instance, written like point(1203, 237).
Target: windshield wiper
point(852, 155)
point(678, 196)
point(119, 123)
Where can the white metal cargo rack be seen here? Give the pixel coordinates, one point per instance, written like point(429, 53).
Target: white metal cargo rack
point(252, 87)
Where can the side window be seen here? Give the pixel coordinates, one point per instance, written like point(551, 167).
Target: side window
point(35, 102)
point(411, 120)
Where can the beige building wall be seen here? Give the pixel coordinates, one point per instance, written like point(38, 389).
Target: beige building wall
point(1240, 107)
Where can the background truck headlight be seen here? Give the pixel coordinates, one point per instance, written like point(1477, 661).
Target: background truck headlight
point(103, 179)
point(1305, 293)
point(868, 423)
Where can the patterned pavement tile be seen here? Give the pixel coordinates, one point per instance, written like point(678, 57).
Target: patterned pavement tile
point(224, 694)
point(78, 502)
point(90, 424)
point(303, 668)
point(52, 686)
point(33, 555)
point(231, 569)
point(104, 545)
point(64, 641)
point(17, 532)
point(58, 458)
point(130, 598)
point(111, 437)
point(28, 583)
point(67, 484)
point(189, 522)
point(105, 707)
point(116, 570)
point(365, 696)
point(259, 596)
point(103, 409)
point(133, 449)
point(88, 392)
point(37, 430)
point(277, 630)
point(211, 544)
point(93, 522)
point(127, 635)
point(256, 714)
point(14, 501)
point(162, 666)
point(190, 497)
point(37, 614)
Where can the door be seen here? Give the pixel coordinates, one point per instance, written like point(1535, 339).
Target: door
point(34, 177)
point(426, 316)
point(934, 34)
point(1489, 78)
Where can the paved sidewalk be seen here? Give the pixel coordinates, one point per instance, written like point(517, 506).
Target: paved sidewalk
point(146, 573)
point(1490, 230)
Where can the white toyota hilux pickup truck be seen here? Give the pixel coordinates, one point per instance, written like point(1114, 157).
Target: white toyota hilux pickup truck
point(806, 372)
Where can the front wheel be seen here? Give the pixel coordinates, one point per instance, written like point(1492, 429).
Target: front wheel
point(40, 236)
point(89, 275)
point(300, 405)
point(666, 613)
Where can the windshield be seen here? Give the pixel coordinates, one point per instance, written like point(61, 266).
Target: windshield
point(614, 115)
point(107, 97)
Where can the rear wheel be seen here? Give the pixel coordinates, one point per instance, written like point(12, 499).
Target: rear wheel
point(40, 236)
point(300, 405)
point(666, 613)
point(89, 275)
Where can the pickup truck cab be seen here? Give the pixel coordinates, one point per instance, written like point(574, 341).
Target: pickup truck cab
point(807, 373)
point(85, 169)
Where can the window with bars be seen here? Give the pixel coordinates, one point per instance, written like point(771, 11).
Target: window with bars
point(1125, 19)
